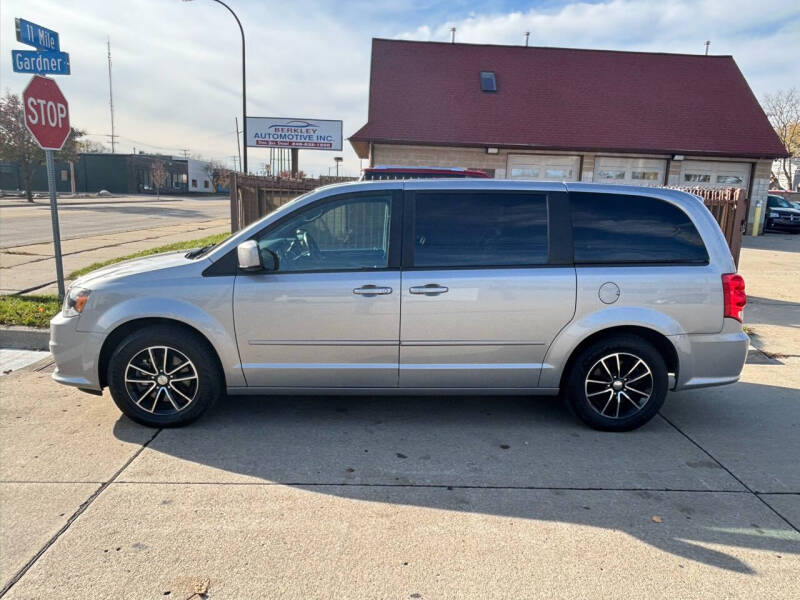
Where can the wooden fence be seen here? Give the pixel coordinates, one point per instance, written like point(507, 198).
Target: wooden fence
point(252, 197)
point(729, 207)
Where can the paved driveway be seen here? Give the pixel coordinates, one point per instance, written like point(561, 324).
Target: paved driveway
point(402, 497)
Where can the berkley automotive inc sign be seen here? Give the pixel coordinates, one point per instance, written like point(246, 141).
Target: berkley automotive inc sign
point(310, 134)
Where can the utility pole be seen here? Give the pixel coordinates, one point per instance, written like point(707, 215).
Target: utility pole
point(111, 98)
point(185, 153)
point(708, 43)
point(238, 145)
point(527, 36)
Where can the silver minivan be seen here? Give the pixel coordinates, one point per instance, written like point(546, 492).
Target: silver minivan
point(609, 295)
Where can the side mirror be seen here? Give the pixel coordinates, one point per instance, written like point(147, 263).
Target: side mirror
point(249, 256)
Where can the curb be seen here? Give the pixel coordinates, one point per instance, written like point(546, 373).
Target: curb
point(24, 338)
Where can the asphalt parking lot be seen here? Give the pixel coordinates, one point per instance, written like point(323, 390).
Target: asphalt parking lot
point(411, 497)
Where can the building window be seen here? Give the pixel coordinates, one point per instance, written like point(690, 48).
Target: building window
point(645, 175)
point(562, 173)
point(488, 81)
point(64, 175)
point(612, 174)
point(697, 177)
point(524, 172)
point(205, 183)
point(194, 183)
point(733, 179)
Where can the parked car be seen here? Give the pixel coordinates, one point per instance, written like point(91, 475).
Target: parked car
point(781, 215)
point(610, 295)
point(399, 172)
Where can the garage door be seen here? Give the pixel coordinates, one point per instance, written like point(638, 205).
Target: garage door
point(629, 171)
point(543, 167)
point(715, 174)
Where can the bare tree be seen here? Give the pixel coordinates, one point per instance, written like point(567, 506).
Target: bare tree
point(783, 111)
point(219, 175)
point(159, 173)
point(18, 146)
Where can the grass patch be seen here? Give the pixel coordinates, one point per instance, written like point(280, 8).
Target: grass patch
point(187, 245)
point(33, 311)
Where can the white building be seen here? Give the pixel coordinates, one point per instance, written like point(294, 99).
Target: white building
point(200, 176)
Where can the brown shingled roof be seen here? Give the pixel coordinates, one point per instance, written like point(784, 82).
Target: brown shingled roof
point(563, 99)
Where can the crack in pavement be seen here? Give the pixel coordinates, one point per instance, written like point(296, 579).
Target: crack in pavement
point(729, 472)
point(81, 509)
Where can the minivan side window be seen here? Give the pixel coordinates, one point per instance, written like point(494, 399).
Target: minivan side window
point(341, 235)
point(618, 228)
point(479, 229)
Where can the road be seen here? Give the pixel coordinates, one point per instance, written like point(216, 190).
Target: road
point(21, 225)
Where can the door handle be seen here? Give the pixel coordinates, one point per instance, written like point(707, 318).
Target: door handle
point(372, 290)
point(430, 289)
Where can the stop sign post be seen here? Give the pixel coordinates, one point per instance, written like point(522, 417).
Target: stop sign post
point(47, 118)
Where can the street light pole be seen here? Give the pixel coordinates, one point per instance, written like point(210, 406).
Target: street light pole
point(244, 84)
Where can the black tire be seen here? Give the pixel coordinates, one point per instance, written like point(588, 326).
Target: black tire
point(200, 382)
point(595, 411)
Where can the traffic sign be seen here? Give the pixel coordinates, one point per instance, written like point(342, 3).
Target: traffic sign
point(33, 61)
point(36, 35)
point(46, 113)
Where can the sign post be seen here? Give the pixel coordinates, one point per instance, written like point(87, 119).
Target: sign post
point(47, 118)
point(46, 109)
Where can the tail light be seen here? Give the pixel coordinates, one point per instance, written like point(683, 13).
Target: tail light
point(733, 293)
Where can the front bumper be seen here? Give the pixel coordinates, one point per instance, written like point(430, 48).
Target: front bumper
point(711, 359)
point(784, 223)
point(76, 353)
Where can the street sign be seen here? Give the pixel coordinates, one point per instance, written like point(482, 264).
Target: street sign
point(311, 134)
point(40, 63)
point(46, 113)
point(46, 110)
point(35, 35)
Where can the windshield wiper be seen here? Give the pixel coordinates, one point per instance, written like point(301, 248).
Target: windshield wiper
point(197, 252)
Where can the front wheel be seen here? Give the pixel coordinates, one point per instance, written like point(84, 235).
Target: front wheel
point(164, 376)
point(617, 384)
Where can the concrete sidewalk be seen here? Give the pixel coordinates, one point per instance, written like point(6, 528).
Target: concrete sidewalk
point(402, 498)
point(770, 265)
point(31, 268)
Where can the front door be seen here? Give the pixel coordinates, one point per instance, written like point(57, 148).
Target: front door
point(484, 293)
point(329, 315)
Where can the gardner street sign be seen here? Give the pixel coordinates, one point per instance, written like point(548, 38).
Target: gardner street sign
point(46, 113)
point(35, 61)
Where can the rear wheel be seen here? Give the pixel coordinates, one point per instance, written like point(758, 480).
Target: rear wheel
point(164, 376)
point(617, 384)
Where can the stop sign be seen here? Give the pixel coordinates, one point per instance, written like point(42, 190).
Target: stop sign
point(46, 113)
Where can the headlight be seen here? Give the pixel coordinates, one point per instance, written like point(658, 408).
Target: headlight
point(75, 301)
point(774, 215)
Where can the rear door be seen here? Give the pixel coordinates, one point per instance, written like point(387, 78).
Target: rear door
point(487, 283)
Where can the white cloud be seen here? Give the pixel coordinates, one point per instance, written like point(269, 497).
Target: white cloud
point(177, 72)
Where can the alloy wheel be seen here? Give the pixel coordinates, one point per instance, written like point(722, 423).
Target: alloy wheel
point(619, 385)
point(161, 380)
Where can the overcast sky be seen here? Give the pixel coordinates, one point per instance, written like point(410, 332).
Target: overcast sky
point(177, 70)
